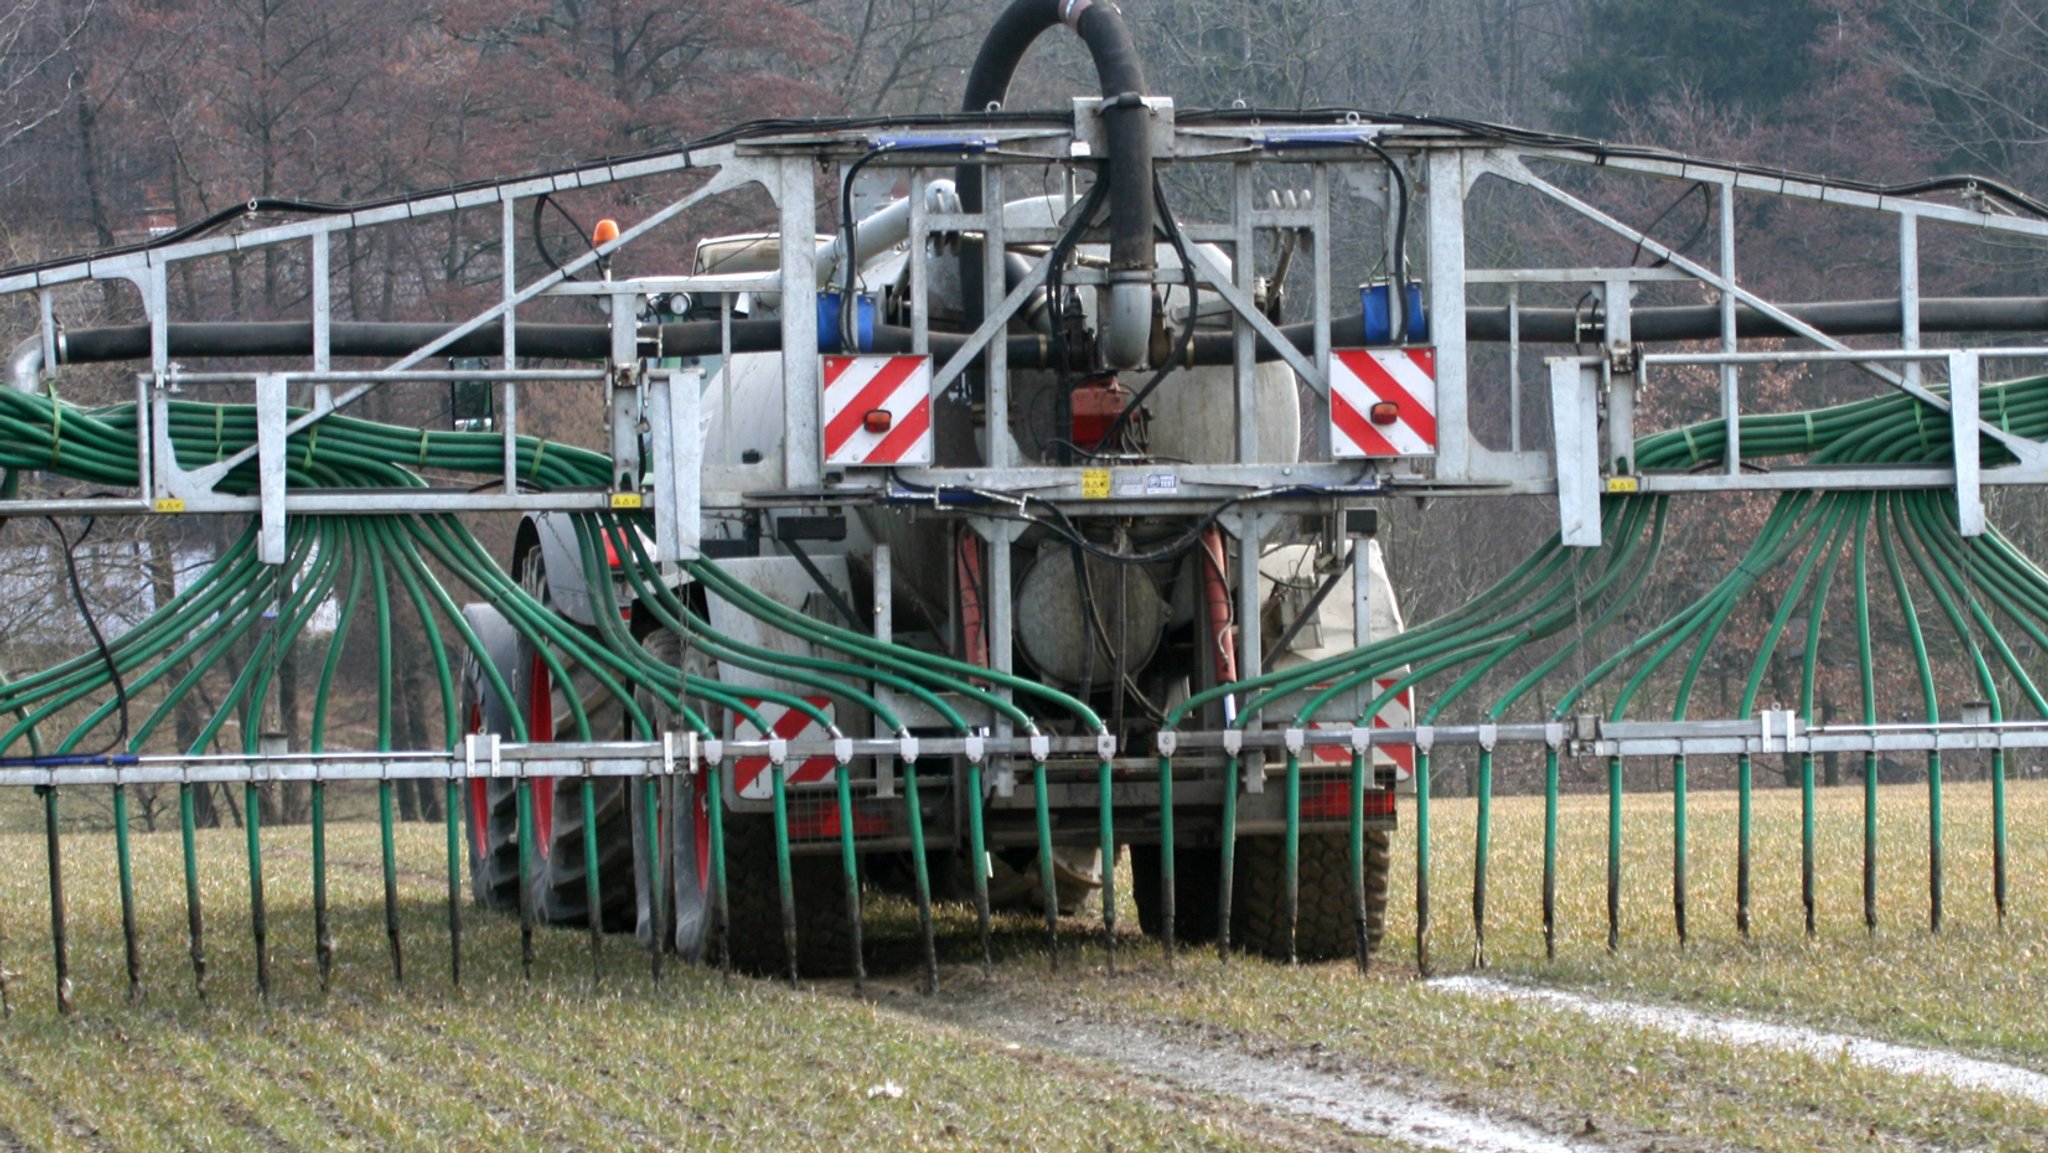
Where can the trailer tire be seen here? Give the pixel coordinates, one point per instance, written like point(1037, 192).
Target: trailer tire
point(753, 935)
point(824, 938)
point(1196, 894)
point(1326, 925)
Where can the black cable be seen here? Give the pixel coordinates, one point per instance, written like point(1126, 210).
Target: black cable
point(849, 231)
point(92, 626)
point(1601, 150)
point(541, 204)
point(1643, 235)
point(751, 130)
point(756, 129)
point(1089, 616)
point(1314, 606)
point(1400, 228)
point(1063, 526)
point(849, 327)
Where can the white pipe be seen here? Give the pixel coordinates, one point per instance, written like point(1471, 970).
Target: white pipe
point(25, 366)
point(881, 230)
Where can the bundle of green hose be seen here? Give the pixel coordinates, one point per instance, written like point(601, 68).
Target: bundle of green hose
point(240, 606)
point(1561, 592)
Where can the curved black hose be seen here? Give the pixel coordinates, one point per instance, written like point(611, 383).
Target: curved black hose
point(849, 231)
point(1129, 164)
point(92, 627)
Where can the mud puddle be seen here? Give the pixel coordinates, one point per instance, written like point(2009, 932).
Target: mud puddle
point(1966, 1072)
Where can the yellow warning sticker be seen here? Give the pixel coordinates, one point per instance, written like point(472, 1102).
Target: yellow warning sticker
point(625, 500)
point(1624, 484)
point(170, 504)
point(1094, 484)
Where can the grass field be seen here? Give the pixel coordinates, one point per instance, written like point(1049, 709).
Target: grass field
point(693, 1062)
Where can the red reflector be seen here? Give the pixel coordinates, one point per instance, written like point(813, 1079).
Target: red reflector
point(1331, 799)
point(1386, 412)
point(877, 420)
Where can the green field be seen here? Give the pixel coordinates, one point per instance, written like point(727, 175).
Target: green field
point(568, 1062)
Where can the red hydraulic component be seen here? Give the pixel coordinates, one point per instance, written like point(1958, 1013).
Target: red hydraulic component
point(1096, 405)
point(973, 622)
point(1217, 590)
point(479, 791)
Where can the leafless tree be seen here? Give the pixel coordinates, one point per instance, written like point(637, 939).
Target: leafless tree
point(36, 36)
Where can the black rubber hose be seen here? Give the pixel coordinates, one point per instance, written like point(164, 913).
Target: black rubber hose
point(1680, 323)
point(536, 341)
point(703, 338)
point(295, 338)
point(1703, 322)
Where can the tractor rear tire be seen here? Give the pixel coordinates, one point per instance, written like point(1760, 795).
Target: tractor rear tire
point(561, 894)
point(1326, 925)
point(493, 812)
point(753, 891)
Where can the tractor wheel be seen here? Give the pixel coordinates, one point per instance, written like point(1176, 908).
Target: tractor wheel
point(753, 892)
point(1324, 928)
point(560, 892)
point(493, 804)
point(1195, 892)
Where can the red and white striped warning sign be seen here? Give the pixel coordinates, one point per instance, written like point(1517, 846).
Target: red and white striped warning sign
point(1398, 713)
point(878, 410)
point(1382, 402)
point(750, 774)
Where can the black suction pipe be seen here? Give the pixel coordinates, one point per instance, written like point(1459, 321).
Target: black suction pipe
point(1552, 326)
point(1129, 165)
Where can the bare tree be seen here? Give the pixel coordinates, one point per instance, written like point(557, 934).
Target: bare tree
point(1981, 69)
point(36, 36)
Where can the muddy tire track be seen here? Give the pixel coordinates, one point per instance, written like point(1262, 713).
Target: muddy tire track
point(1276, 1083)
point(1743, 1032)
point(166, 1069)
point(299, 1079)
point(68, 1119)
point(502, 1060)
